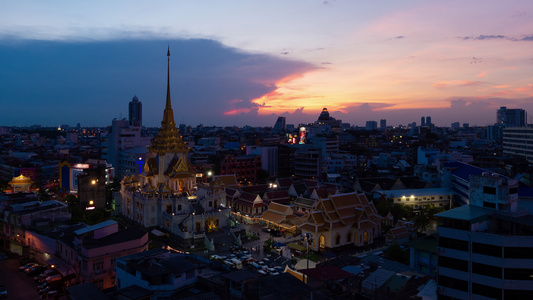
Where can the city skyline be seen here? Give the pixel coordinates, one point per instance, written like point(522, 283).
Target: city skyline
point(251, 63)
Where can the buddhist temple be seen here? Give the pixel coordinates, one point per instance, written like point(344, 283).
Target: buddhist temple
point(165, 195)
point(20, 184)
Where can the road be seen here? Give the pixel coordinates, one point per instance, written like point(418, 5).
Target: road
point(18, 284)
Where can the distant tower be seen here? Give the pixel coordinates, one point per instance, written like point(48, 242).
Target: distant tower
point(428, 121)
point(422, 121)
point(383, 124)
point(136, 112)
point(511, 117)
point(371, 125)
point(279, 126)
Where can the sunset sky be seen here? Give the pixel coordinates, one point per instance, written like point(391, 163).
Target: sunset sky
point(248, 62)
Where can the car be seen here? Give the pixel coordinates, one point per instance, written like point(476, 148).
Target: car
point(37, 270)
point(50, 294)
point(3, 291)
point(44, 275)
point(27, 270)
point(266, 229)
point(28, 265)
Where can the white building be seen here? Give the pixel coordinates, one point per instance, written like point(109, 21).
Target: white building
point(485, 248)
point(419, 198)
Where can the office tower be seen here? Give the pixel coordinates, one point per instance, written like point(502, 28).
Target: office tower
point(371, 125)
point(383, 124)
point(517, 142)
point(456, 125)
point(279, 127)
point(422, 121)
point(428, 121)
point(511, 117)
point(136, 112)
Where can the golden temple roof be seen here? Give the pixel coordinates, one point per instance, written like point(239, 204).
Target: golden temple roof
point(21, 180)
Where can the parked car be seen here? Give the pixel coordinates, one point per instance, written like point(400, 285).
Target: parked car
point(37, 270)
point(44, 275)
point(28, 265)
point(27, 270)
point(3, 291)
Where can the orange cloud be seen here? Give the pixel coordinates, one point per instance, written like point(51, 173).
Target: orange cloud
point(459, 83)
point(237, 111)
point(501, 86)
point(482, 74)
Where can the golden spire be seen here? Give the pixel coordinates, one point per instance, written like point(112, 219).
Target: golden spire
point(168, 115)
point(168, 139)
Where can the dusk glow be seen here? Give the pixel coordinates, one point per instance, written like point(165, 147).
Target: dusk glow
point(246, 63)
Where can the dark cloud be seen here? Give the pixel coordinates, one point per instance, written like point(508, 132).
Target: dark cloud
point(399, 37)
point(490, 37)
point(495, 37)
point(51, 83)
point(527, 38)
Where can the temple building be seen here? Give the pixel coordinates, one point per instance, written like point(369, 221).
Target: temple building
point(340, 220)
point(165, 194)
point(20, 184)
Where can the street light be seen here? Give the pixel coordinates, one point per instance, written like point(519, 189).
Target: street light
point(308, 238)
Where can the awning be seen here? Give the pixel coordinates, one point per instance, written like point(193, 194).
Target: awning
point(157, 232)
point(297, 247)
point(61, 267)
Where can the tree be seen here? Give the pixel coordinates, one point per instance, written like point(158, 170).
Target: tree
point(421, 222)
point(71, 200)
point(43, 195)
point(426, 215)
point(262, 176)
point(396, 253)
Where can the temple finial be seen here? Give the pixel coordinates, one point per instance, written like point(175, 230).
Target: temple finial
point(168, 115)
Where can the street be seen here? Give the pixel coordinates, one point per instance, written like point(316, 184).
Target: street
point(18, 284)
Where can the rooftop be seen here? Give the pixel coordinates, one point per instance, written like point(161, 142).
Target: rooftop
point(427, 244)
point(465, 213)
point(95, 227)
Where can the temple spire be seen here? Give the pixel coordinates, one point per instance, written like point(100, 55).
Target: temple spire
point(168, 115)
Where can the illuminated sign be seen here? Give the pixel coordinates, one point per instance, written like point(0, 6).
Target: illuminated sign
point(303, 135)
point(90, 208)
point(81, 166)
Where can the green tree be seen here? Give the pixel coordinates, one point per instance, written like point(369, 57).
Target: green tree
point(262, 176)
point(43, 195)
point(268, 245)
point(396, 253)
point(421, 222)
point(71, 200)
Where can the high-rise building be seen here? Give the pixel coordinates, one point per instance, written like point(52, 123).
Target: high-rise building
point(518, 141)
point(456, 125)
point(383, 124)
point(136, 112)
point(428, 121)
point(124, 146)
point(371, 125)
point(279, 127)
point(485, 248)
point(422, 121)
point(511, 117)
